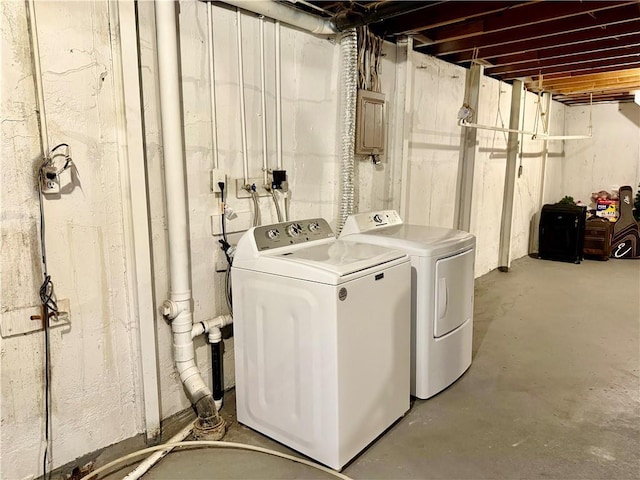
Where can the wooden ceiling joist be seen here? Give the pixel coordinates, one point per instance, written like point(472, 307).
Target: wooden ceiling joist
point(611, 65)
point(534, 14)
point(568, 64)
point(443, 14)
point(573, 49)
point(602, 48)
point(582, 39)
point(619, 13)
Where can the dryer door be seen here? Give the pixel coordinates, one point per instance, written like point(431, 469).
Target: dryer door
point(454, 292)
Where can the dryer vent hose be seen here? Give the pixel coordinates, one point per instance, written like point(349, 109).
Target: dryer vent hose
point(349, 80)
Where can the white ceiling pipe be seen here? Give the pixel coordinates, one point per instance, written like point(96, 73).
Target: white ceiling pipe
point(288, 15)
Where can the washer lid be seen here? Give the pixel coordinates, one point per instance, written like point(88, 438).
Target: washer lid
point(339, 258)
point(331, 261)
point(417, 239)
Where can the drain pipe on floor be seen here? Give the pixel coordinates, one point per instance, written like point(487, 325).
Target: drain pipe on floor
point(177, 308)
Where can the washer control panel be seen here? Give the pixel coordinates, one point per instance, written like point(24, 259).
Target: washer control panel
point(268, 237)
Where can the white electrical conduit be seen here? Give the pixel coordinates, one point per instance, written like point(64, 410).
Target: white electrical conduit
point(178, 307)
point(205, 443)
point(534, 135)
point(278, 97)
point(147, 464)
point(285, 14)
point(212, 87)
point(243, 117)
point(263, 98)
point(37, 74)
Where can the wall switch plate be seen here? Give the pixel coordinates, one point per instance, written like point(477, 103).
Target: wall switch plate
point(241, 192)
point(19, 321)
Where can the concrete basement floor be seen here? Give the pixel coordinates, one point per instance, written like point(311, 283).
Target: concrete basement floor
point(553, 392)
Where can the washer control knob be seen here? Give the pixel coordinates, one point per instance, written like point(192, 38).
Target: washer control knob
point(377, 218)
point(273, 234)
point(294, 230)
point(314, 227)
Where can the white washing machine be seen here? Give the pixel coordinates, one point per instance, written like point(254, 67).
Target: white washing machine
point(322, 331)
point(442, 274)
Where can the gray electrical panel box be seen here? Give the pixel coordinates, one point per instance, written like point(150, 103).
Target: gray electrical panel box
point(370, 123)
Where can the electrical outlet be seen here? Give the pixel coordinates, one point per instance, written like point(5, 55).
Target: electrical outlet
point(26, 320)
point(241, 191)
point(50, 180)
point(217, 176)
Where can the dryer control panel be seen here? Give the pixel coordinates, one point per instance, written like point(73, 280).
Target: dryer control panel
point(365, 222)
point(268, 237)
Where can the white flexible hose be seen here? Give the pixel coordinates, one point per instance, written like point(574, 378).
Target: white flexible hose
point(147, 464)
point(214, 444)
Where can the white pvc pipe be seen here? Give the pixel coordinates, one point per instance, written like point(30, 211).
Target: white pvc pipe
point(291, 16)
point(147, 464)
point(243, 116)
point(278, 68)
point(206, 325)
point(176, 195)
point(212, 87)
point(263, 98)
point(37, 74)
point(534, 135)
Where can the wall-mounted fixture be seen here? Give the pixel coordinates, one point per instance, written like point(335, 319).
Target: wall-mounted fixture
point(370, 123)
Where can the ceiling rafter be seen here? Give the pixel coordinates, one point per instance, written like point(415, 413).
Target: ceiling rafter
point(534, 14)
point(626, 27)
point(603, 18)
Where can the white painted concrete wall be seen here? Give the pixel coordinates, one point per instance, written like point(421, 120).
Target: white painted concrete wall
point(434, 151)
point(608, 160)
point(96, 397)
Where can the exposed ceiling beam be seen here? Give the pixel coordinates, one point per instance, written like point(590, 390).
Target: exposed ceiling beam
point(547, 65)
point(600, 66)
point(532, 14)
point(601, 19)
point(558, 79)
point(617, 31)
point(444, 14)
point(566, 51)
point(611, 86)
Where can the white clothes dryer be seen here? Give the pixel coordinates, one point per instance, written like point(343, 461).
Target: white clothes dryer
point(322, 330)
point(442, 274)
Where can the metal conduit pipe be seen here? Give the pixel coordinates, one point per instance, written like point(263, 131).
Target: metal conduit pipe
point(178, 307)
point(349, 85)
point(291, 16)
